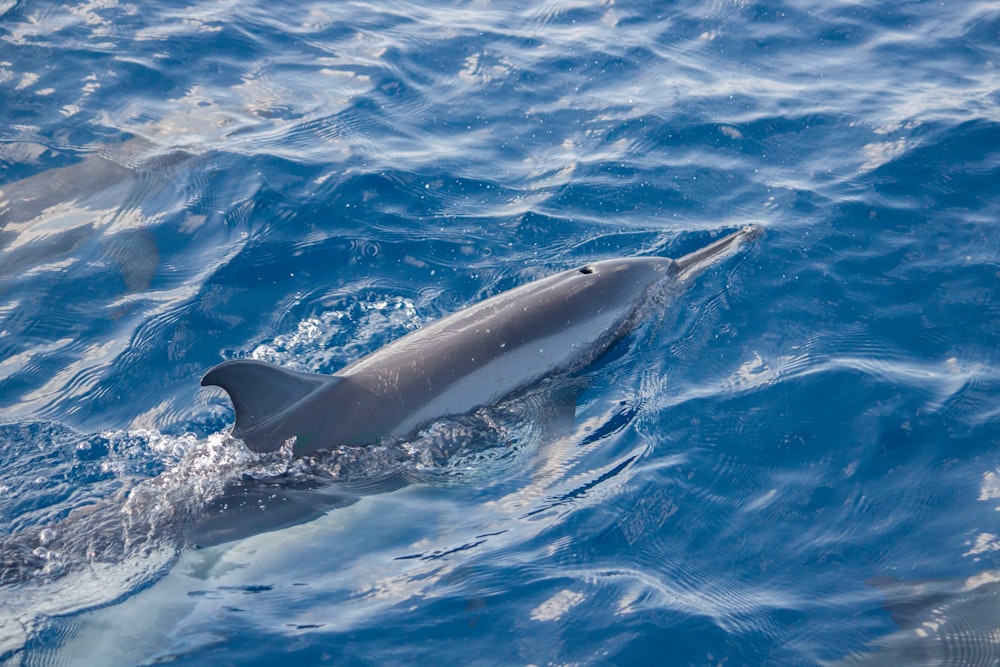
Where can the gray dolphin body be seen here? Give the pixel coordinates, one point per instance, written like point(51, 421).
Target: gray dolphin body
point(468, 359)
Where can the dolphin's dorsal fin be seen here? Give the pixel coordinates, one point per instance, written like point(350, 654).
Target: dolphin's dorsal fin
point(260, 391)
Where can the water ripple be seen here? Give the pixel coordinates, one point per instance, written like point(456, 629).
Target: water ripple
point(304, 183)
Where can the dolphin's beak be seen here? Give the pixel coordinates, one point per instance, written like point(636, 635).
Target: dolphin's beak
point(692, 264)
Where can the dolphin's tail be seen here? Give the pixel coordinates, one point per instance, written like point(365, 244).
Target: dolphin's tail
point(694, 263)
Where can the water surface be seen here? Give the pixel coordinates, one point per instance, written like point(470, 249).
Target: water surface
point(794, 461)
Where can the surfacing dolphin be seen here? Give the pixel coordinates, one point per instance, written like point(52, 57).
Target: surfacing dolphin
point(471, 358)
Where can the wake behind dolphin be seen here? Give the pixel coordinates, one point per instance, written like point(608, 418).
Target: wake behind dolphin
point(471, 358)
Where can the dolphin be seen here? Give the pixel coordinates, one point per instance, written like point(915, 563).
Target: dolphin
point(471, 358)
point(47, 218)
point(475, 357)
point(941, 622)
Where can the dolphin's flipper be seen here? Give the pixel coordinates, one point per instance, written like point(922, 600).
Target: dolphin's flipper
point(261, 391)
point(253, 507)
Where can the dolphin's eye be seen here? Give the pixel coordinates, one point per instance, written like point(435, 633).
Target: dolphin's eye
point(586, 270)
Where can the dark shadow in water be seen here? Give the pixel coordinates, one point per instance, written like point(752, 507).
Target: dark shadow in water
point(941, 622)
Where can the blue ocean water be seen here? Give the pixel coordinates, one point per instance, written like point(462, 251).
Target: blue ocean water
point(794, 461)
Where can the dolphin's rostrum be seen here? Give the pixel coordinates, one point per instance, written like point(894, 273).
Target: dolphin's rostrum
point(471, 358)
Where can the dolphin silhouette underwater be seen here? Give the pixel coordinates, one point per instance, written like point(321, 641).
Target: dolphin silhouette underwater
point(941, 622)
point(471, 358)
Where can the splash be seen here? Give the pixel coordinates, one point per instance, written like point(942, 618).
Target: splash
point(92, 549)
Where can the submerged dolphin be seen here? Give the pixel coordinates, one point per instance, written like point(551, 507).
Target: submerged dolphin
point(468, 359)
point(941, 622)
